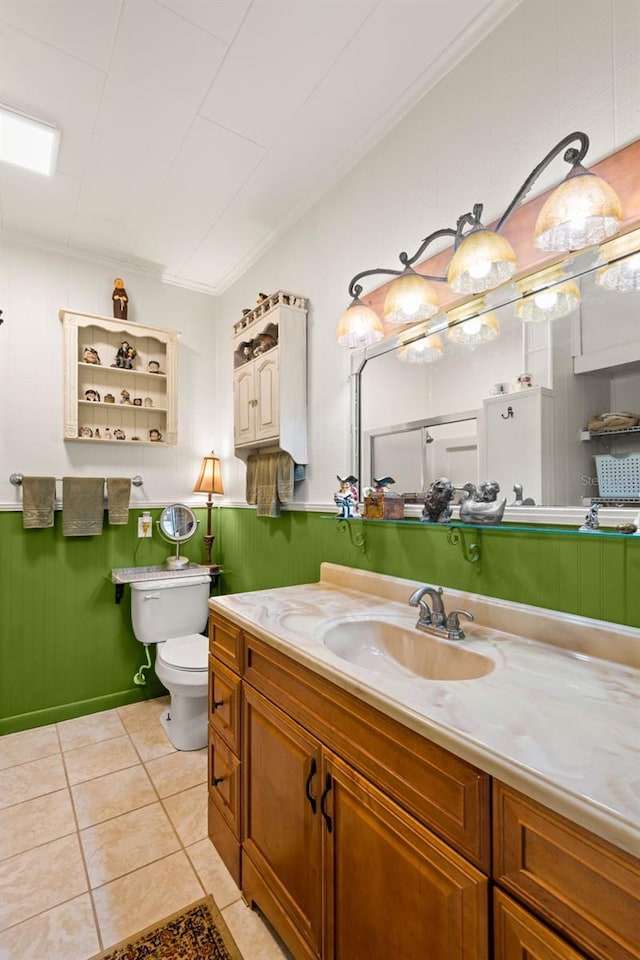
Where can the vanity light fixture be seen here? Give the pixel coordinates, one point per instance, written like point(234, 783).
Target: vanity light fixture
point(27, 142)
point(476, 329)
point(428, 349)
point(209, 481)
point(623, 274)
point(547, 296)
point(584, 210)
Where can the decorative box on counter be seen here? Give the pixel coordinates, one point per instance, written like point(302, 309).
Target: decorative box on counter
point(383, 506)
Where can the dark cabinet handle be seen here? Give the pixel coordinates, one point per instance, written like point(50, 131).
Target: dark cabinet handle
point(323, 800)
point(312, 773)
point(216, 781)
point(216, 704)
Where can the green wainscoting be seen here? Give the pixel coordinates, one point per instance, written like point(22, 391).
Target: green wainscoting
point(66, 649)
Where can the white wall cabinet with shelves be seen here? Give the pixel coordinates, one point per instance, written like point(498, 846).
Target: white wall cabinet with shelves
point(104, 402)
point(270, 377)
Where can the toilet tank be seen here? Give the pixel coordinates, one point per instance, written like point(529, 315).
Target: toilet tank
point(174, 607)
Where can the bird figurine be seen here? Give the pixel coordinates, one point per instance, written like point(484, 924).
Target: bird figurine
point(478, 511)
point(519, 502)
point(382, 484)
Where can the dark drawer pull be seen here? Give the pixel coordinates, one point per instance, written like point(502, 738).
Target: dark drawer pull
point(323, 800)
point(312, 773)
point(216, 704)
point(216, 781)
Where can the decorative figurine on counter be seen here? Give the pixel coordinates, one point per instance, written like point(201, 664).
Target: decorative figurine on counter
point(519, 502)
point(125, 356)
point(153, 367)
point(481, 512)
point(382, 484)
point(437, 502)
point(591, 521)
point(488, 491)
point(346, 497)
point(155, 436)
point(90, 355)
point(93, 395)
point(120, 299)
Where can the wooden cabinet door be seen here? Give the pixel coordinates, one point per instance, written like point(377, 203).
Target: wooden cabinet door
point(393, 889)
point(281, 764)
point(267, 394)
point(244, 403)
point(517, 935)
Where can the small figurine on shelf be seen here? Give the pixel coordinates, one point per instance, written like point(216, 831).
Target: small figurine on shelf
point(107, 434)
point(125, 356)
point(591, 521)
point(155, 436)
point(90, 355)
point(92, 394)
point(477, 509)
point(125, 396)
point(96, 434)
point(262, 343)
point(437, 502)
point(109, 398)
point(148, 402)
point(153, 367)
point(261, 298)
point(346, 497)
point(488, 491)
point(119, 434)
point(120, 299)
point(85, 432)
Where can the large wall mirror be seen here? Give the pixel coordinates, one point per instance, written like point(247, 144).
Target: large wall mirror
point(445, 399)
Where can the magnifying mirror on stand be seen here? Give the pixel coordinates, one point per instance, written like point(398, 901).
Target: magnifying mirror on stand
point(177, 524)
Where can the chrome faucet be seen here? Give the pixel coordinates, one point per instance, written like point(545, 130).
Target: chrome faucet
point(436, 620)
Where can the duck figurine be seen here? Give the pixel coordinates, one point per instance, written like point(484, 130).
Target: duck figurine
point(519, 501)
point(476, 509)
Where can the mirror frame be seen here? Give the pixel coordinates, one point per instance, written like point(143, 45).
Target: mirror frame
point(193, 527)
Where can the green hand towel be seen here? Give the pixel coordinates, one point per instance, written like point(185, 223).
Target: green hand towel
point(82, 506)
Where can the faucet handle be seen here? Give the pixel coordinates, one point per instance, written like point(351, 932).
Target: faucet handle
point(453, 623)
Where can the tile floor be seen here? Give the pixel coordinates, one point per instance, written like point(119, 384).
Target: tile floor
point(103, 831)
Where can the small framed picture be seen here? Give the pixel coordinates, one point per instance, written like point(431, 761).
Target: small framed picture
point(137, 401)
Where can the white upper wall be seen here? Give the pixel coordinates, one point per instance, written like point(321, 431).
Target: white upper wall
point(550, 68)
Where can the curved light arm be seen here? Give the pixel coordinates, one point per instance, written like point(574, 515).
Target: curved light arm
point(354, 287)
point(409, 261)
point(573, 156)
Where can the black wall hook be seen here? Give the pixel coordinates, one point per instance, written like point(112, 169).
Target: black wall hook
point(508, 414)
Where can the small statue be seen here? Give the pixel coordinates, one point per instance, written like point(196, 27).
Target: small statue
point(90, 355)
point(153, 367)
point(478, 510)
point(382, 484)
point(119, 434)
point(125, 396)
point(93, 395)
point(125, 356)
point(261, 298)
point(109, 398)
point(148, 402)
point(120, 299)
point(437, 503)
point(107, 434)
point(155, 436)
point(346, 497)
point(519, 501)
point(262, 343)
point(488, 491)
point(591, 521)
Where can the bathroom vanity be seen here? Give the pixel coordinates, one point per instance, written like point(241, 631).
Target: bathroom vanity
point(416, 797)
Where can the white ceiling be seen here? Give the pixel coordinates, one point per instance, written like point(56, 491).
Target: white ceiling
point(195, 131)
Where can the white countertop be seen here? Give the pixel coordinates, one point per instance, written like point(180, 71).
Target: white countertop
point(557, 718)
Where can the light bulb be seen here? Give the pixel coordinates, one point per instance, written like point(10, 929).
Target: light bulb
point(472, 326)
point(479, 270)
point(546, 300)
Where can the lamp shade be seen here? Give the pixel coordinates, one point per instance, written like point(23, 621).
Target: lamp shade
point(475, 330)
point(359, 326)
point(551, 304)
point(210, 478)
point(427, 350)
point(623, 276)
point(483, 260)
point(409, 299)
point(582, 211)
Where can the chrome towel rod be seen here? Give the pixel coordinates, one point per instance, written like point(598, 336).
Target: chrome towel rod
point(16, 480)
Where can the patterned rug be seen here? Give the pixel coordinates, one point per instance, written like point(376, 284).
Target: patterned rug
point(196, 932)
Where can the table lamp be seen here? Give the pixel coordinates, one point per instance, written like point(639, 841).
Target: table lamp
point(209, 481)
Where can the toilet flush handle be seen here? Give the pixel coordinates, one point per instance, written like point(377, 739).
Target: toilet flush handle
point(152, 596)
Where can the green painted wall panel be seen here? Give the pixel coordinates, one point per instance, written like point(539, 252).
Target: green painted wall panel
point(66, 649)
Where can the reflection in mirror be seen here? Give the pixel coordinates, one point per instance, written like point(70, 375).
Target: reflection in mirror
point(521, 393)
point(177, 524)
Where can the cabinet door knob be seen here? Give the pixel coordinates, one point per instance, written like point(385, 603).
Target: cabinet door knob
point(323, 800)
point(312, 773)
point(216, 780)
point(216, 704)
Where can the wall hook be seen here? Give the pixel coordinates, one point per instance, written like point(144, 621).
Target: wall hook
point(509, 413)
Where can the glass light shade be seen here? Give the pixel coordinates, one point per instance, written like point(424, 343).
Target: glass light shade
point(551, 304)
point(483, 261)
point(210, 477)
point(582, 211)
point(623, 276)
point(359, 326)
point(475, 330)
point(427, 350)
point(409, 299)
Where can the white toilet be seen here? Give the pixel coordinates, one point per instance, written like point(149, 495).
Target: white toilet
point(171, 613)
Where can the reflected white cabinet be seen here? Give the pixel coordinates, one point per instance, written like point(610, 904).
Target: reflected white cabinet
point(518, 446)
point(270, 377)
point(111, 397)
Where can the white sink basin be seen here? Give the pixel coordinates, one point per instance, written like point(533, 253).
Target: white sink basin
point(402, 651)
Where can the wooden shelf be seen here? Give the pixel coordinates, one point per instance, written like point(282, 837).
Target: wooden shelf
point(121, 406)
point(122, 372)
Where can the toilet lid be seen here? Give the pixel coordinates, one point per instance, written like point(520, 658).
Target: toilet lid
point(187, 653)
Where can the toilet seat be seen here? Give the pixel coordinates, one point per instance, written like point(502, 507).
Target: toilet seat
point(189, 653)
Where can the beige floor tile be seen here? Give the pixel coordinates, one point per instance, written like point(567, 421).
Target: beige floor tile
point(39, 879)
point(97, 759)
point(67, 931)
point(34, 822)
point(255, 940)
point(107, 797)
point(214, 876)
point(28, 745)
point(151, 741)
point(145, 896)
point(137, 715)
point(188, 813)
point(119, 846)
point(178, 771)
point(92, 729)
point(32, 779)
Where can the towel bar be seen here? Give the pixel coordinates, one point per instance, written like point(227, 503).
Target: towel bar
point(16, 480)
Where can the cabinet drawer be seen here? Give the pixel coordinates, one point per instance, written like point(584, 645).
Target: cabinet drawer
point(585, 888)
point(225, 641)
point(517, 935)
point(225, 841)
point(224, 703)
point(224, 781)
point(444, 793)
